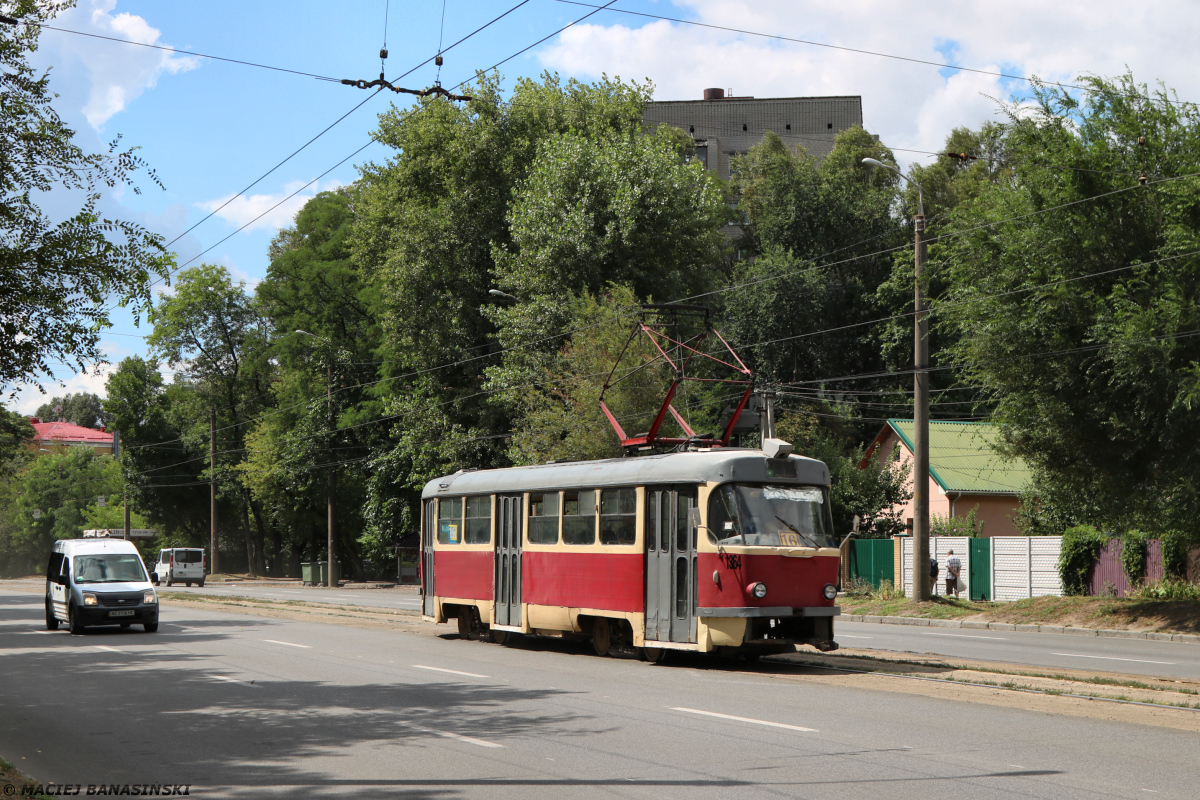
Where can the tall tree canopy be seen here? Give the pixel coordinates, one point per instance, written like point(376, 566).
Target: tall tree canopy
point(1073, 298)
point(59, 277)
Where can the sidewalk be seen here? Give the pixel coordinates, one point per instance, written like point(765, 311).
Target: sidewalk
point(1189, 638)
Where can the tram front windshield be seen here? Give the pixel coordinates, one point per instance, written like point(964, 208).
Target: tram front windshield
point(774, 516)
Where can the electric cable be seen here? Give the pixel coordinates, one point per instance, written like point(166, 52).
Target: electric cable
point(778, 37)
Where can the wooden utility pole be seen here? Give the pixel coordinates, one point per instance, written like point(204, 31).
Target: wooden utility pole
point(921, 579)
point(333, 581)
point(212, 488)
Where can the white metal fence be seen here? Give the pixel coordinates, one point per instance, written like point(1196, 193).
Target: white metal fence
point(1020, 566)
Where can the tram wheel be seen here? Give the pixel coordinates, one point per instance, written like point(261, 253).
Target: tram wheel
point(751, 657)
point(464, 623)
point(654, 655)
point(499, 637)
point(601, 636)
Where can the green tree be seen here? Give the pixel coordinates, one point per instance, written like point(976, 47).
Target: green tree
point(59, 278)
point(814, 230)
point(212, 330)
point(84, 409)
point(1073, 303)
point(162, 468)
point(56, 496)
point(16, 433)
point(314, 284)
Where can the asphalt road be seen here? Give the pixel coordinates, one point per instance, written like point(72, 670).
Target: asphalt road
point(1131, 656)
point(1050, 650)
point(244, 706)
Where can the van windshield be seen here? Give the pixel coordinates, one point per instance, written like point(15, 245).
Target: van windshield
point(774, 516)
point(109, 568)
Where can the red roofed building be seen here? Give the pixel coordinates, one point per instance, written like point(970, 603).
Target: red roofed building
point(65, 434)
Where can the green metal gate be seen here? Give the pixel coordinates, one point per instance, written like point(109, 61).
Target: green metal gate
point(981, 569)
point(872, 560)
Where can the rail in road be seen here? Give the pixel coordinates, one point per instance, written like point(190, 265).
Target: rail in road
point(1047, 650)
point(241, 706)
point(400, 597)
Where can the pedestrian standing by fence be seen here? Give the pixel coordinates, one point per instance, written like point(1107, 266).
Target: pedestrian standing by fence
point(953, 568)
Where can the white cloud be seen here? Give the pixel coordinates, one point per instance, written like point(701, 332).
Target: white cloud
point(28, 398)
point(270, 211)
point(117, 74)
point(909, 105)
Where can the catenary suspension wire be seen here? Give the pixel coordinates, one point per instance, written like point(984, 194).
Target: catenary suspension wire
point(778, 37)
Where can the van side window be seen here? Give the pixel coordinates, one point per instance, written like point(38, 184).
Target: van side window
point(166, 557)
point(450, 520)
point(618, 516)
point(55, 565)
point(579, 517)
point(543, 518)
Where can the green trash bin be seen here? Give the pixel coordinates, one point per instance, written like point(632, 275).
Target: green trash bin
point(324, 573)
point(306, 573)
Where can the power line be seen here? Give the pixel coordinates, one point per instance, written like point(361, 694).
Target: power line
point(778, 37)
point(183, 52)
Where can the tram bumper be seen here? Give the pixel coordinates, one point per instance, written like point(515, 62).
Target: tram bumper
point(774, 629)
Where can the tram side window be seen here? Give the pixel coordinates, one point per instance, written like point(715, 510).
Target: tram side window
point(618, 516)
point(543, 518)
point(450, 520)
point(479, 520)
point(579, 517)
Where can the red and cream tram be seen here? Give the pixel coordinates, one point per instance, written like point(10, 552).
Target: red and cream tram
point(721, 550)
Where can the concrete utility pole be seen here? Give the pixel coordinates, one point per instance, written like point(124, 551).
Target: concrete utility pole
point(921, 587)
point(212, 488)
point(920, 473)
point(333, 581)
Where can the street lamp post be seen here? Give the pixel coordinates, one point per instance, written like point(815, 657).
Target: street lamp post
point(332, 489)
point(921, 587)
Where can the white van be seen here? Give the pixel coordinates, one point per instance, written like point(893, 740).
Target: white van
point(180, 565)
point(98, 582)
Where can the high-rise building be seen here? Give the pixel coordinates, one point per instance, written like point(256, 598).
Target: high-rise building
point(724, 126)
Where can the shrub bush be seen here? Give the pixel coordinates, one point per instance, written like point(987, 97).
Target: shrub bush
point(1174, 554)
point(1168, 589)
point(1080, 546)
point(1133, 555)
point(969, 525)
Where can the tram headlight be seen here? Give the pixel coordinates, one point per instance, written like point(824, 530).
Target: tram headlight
point(759, 590)
point(830, 591)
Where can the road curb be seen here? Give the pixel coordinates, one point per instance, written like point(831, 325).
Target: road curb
point(1188, 638)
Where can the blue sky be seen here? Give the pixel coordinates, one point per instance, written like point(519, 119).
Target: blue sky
point(209, 128)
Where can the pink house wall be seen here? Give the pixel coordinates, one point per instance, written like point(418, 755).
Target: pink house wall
point(995, 511)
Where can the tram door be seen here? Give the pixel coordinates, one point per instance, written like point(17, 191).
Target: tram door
point(670, 564)
point(509, 513)
point(428, 534)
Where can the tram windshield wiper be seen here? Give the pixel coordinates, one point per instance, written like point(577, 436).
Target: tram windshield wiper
point(797, 531)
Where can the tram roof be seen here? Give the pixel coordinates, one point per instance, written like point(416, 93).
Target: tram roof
point(693, 467)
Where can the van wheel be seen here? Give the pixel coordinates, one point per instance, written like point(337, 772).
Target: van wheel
point(73, 621)
point(200, 583)
point(151, 627)
point(51, 620)
point(170, 582)
point(188, 584)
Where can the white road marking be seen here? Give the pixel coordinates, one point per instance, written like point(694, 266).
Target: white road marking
point(289, 644)
point(234, 680)
point(966, 636)
point(451, 671)
point(448, 735)
point(848, 636)
point(745, 719)
point(1114, 658)
point(109, 649)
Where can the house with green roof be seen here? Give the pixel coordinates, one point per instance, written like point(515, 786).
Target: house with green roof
point(965, 471)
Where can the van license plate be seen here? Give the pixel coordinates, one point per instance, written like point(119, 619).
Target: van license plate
point(125, 613)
